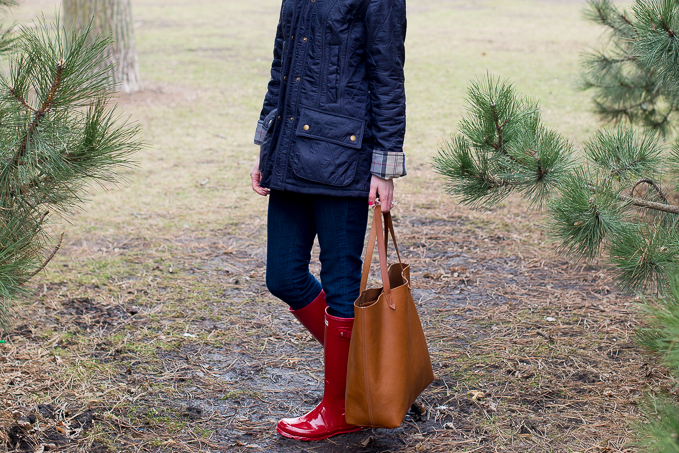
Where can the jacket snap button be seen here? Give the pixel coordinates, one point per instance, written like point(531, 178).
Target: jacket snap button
point(292, 118)
point(297, 79)
point(306, 127)
point(279, 117)
point(285, 77)
point(304, 39)
point(352, 138)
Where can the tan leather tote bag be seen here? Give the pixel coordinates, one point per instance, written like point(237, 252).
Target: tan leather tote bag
point(389, 364)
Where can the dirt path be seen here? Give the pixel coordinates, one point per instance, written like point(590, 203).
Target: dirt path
point(197, 356)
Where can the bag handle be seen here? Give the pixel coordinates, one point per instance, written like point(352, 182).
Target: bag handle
point(388, 225)
point(381, 251)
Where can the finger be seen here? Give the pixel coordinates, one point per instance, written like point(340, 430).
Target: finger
point(256, 177)
point(373, 194)
point(386, 198)
point(386, 204)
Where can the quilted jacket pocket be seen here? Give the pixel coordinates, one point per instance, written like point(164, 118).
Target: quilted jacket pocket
point(328, 147)
point(265, 147)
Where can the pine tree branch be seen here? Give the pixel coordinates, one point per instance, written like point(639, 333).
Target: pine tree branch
point(652, 184)
point(605, 16)
point(613, 61)
point(667, 28)
point(629, 113)
point(21, 100)
point(46, 106)
point(49, 258)
point(24, 143)
point(669, 208)
point(55, 85)
point(493, 182)
point(621, 170)
point(499, 146)
point(625, 19)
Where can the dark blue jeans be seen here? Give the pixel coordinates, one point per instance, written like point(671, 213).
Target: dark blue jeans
point(294, 221)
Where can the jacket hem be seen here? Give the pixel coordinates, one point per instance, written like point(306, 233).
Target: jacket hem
point(328, 191)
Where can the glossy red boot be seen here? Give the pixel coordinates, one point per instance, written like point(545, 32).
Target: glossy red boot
point(313, 316)
point(327, 419)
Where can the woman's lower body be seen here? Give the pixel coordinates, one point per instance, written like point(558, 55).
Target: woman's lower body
point(325, 308)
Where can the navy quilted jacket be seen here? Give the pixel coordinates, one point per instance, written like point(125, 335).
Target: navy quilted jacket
point(334, 112)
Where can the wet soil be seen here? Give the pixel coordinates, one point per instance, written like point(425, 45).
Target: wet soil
point(195, 355)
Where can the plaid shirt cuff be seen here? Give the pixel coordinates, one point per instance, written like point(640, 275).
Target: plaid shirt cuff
point(263, 126)
point(259, 133)
point(388, 164)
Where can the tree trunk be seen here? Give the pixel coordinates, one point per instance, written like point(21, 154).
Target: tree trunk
point(112, 18)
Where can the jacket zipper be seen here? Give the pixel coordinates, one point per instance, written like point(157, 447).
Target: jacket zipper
point(324, 63)
point(340, 88)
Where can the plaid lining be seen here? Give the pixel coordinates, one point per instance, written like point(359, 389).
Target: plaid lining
point(259, 133)
point(388, 164)
point(263, 127)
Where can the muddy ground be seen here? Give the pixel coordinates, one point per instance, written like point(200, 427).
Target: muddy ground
point(181, 348)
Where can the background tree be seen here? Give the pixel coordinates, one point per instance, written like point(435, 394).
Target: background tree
point(611, 200)
point(58, 132)
point(109, 18)
point(627, 74)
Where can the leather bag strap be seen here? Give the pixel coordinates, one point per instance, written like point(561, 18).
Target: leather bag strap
point(369, 254)
point(389, 229)
point(382, 254)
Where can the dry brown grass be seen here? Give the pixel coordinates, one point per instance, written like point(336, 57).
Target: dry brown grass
point(180, 348)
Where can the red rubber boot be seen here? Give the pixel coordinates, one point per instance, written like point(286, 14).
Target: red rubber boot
point(313, 316)
point(327, 419)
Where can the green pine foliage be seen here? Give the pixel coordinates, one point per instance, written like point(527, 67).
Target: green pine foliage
point(600, 206)
point(661, 333)
point(660, 432)
point(58, 133)
point(625, 154)
point(581, 218)
point(624, 75)
point(502, 147)
point(613, 203)
point(644, 253)
point(656, 42)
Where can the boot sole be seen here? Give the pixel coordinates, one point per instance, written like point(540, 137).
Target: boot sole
point(322, 437)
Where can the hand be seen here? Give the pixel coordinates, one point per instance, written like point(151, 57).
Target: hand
point(256, 177)
point(382, 189)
